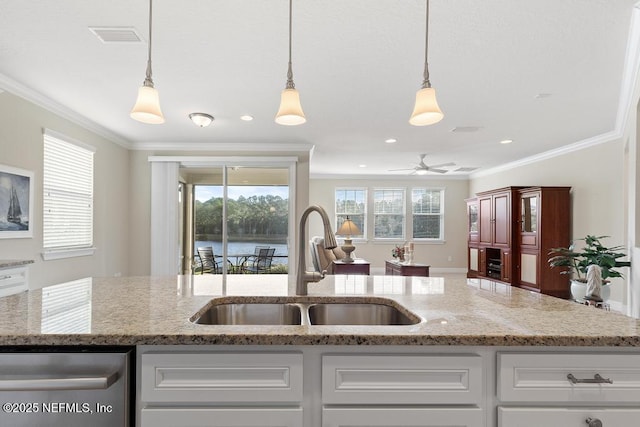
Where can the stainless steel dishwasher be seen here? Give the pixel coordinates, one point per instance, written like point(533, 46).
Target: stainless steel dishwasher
point(63, 388)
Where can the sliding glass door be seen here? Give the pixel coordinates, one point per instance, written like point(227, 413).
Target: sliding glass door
point(238, 210)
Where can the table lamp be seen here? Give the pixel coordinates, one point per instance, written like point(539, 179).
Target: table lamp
point(348, 228)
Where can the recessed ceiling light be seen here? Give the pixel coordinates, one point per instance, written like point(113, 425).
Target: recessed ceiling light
point(543, 95)
point(506, 141)
point(363, 166)
point(246, 118)
point(390, 140)
point(201, 119)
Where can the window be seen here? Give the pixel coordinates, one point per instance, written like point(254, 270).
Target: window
point(428, 213)
point(388, 212)
point(352, 202)
point(67, 197)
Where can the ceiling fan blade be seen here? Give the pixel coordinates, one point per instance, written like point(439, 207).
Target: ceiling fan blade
point(442, 164)
point(438, 170)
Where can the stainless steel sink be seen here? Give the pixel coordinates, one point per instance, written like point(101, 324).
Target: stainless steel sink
point(358, 314)
point(304, 310)
point(250, 314)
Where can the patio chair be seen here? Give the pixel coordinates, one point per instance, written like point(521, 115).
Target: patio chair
point(261, 263)
point(206, 261)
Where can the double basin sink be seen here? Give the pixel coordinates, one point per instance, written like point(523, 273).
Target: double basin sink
point(304, 311)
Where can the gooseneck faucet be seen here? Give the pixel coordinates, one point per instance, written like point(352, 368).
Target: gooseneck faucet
point(304, 276)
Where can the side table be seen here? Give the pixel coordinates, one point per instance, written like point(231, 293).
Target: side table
point(395, 268)
point(358, 266)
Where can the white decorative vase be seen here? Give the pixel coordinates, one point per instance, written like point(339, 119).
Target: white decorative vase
point(579, 291)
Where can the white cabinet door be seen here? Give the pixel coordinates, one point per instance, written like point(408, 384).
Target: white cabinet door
point(221, 377)
point(566, 417)
point(569, 378)
point(221, 417)
point(403, 417)
point(402, 379)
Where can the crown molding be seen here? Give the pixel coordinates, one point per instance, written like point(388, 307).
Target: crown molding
point(278, 147)
point(412, 178)
point(49, 104)
point(566, 149)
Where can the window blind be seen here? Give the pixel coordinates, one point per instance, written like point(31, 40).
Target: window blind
point(68, 194)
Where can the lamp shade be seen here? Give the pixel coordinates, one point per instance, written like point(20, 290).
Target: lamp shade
point(290, 112)
point(147, 107)
point(426, 110)
point(348, 228)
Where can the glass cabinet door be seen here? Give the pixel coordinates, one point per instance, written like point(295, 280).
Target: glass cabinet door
point(529, 214)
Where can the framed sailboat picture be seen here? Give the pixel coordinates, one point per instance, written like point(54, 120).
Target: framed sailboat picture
point(16, 203)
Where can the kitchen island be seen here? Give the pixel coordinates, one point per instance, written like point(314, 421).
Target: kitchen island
point(484, 353)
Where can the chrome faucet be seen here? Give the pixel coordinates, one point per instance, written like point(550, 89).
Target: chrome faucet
point(304, 277)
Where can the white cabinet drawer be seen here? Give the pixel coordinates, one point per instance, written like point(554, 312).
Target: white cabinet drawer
point(221, 377)
point(13, 280)
point(566, 417)
point(402, 379)
point(405, 417)
point(544, 377)
point(221, 417)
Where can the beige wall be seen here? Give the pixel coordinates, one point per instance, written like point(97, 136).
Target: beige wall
point(596, 175)
point(322, 192)
point(21, 146)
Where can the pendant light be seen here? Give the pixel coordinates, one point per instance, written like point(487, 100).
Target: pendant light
point(290, 112)
point(147, 107)
point(426, 110)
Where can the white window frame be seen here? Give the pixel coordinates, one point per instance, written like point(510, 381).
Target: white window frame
point(404, 214)
point(338, 213)
point(53, 140)
point(441, 214)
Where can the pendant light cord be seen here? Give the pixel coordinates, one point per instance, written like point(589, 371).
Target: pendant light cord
point(425, 82)
point(290, 84)
point(148, 81)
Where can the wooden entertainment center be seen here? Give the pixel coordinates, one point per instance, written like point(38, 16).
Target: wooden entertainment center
point(512, 230)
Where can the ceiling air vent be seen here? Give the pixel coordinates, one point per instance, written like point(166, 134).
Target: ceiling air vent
point(117, 34)
point(466, 129)
point(467, 169)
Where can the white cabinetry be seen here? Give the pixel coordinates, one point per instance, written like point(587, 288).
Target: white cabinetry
point(221, 389)
point(13, 280)
point(567, 389)
point(407, 390)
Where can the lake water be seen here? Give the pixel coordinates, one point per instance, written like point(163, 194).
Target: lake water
point(244, 248)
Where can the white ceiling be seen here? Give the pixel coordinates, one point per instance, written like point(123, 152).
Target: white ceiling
point(356, 63)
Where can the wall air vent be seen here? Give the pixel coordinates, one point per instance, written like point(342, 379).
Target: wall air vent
point(117, 34)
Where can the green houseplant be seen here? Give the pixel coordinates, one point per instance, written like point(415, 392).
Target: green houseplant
point(576, 262)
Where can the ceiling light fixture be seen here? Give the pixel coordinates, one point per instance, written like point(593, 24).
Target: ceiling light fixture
point(290, 112)
point(391, 140)
point(426, 110)
point(246, 118)
point(201, 119)
point(147, 107)
point(506, 141)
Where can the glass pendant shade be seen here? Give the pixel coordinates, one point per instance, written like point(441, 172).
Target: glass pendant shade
point(147, 107)
point(290, 112)
point(426, 110)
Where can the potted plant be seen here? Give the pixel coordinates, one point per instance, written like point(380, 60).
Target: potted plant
point(576, 263)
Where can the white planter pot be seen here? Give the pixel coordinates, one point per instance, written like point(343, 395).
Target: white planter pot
point(579, 291)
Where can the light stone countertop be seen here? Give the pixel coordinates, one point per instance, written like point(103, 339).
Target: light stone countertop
point(6, 263)
point(156, 311)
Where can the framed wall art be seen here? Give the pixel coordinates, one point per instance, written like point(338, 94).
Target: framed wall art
point(16, 203)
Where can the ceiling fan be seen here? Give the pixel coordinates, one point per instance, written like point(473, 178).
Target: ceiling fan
point(422, 168)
